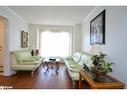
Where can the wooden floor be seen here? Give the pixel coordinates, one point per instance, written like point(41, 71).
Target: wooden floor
point(52, 80)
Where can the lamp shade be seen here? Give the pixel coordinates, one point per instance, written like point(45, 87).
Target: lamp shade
point(95, 49)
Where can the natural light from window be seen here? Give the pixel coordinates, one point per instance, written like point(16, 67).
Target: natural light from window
point(54, 44)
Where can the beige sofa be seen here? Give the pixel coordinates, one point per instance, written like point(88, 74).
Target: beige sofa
point(21, 60)
point(75, 64)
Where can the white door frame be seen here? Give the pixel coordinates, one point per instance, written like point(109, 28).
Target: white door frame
point(6, 58)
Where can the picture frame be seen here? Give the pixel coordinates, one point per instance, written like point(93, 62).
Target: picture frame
point(24, 39)
point(97, 29)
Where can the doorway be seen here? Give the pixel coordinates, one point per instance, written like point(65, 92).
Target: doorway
point(2, 44)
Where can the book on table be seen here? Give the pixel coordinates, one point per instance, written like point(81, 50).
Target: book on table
point(52, 58)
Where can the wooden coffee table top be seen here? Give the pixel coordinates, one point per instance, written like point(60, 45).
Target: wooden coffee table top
point(105, 82)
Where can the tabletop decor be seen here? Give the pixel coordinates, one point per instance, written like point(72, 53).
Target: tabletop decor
point(101, 66)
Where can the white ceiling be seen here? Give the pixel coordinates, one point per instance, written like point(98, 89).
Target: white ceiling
point(55, 15)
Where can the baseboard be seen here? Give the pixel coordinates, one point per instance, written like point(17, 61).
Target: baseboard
point(1, 73)
point(9, 74)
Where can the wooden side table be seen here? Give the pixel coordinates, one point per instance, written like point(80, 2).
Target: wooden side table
point(105, 82)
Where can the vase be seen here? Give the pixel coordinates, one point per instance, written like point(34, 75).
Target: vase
point(37, 52)
point(32, 53)
point(95, 62)
point(99, 73)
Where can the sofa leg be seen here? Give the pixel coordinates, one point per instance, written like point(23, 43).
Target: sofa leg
point(32, 73)
point(74, 84)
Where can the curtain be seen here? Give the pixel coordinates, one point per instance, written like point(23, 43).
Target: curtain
point(55, 41)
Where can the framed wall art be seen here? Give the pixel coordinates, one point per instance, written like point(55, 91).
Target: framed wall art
point(97, 29)
point(24, 39)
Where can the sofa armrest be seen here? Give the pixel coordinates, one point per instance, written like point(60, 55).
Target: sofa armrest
point(68, 58)
point(13, 60)
point(76, 66)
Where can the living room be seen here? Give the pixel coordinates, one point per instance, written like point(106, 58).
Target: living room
point(79, 32)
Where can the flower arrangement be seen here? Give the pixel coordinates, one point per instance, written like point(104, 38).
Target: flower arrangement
point(101, 66)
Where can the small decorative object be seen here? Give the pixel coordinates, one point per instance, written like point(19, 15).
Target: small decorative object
point(24, 39)
point(32, 53)
point(52, 58)
point(97, 29)
point(37, 52)
point(101, 66)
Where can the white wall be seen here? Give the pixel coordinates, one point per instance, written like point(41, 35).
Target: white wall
point(115, 38)
point(77, 37)
point(14, 26)
point(33, 36)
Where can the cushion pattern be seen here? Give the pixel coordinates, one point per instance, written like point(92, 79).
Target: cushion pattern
point(76, 57)
point(86, 59)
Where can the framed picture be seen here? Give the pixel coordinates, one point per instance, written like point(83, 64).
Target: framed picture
point(97, 29)
point(24, 39)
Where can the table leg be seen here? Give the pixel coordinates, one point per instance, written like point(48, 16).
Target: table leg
point(47, 69)
point(57, 66)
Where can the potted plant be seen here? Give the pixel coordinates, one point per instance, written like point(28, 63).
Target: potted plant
point(101, 66)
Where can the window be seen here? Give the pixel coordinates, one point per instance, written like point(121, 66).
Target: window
point(55, 43)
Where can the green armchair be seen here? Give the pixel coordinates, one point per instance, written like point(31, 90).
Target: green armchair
point(21, 60)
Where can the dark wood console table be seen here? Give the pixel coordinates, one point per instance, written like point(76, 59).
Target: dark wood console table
point(105, 82)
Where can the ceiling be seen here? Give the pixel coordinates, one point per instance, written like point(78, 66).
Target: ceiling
point(53, 15)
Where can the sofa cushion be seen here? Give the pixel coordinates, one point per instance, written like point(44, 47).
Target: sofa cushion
point(86, 59)
point(72, 66)
point(35, 58)
point(29, 63)
point(22, 55)
point(76, 57)
point(74, 75)
point(27, 60)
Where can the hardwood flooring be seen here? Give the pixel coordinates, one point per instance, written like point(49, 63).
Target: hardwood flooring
point(52, 80)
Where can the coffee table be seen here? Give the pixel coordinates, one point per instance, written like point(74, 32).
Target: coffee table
point(51, 63)
point(105, 82)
